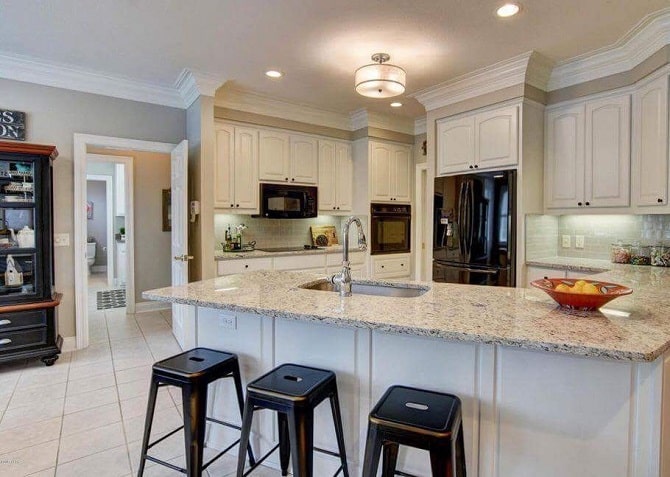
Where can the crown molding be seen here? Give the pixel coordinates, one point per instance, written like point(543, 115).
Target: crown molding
point(253, 102)
point(23, 68)
point(362, 118)
point(529, 66)
point(191, 84)
point(647, 37)
point(420, 126)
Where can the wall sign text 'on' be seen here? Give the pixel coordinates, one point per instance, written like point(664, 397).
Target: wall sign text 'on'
point(12, 125)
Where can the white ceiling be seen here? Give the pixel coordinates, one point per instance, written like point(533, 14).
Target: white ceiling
point(317, 43)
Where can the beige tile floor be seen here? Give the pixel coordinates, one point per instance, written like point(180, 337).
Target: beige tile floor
point(84, 416)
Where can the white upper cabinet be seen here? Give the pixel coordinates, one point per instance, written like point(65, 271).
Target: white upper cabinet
point(607, 155)
point(304, 160)
point(288, 158)
point(587, 160)
point(390, 172)
point(335, 177)
point(274, 156)
point(484, 140)
point(564, 158)
point(236, 168)
point(650, 144)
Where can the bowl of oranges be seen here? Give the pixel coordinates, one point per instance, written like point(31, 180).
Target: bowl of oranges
point(581, 294)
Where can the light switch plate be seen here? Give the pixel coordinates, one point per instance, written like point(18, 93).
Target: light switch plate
point(61, 240)
point(227, 322)
point(579, 241)
point(565, 241)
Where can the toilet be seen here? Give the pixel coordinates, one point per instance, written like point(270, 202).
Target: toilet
point(90, 255)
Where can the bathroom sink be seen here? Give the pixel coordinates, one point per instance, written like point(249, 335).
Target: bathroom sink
point(362, 288)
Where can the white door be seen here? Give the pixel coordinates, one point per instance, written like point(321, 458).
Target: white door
point(304, 160)
point(380, 173)
point(224, 167)
point(497, 138)
point(274, 156)
point(343, 177)
point(328, 174)
point(246, 169)
point(179, 219)
point(401, 176)
point(455, 145)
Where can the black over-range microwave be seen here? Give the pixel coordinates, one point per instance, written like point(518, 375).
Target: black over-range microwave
point(282, 201)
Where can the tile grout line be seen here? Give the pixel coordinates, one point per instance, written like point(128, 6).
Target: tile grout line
point(62, 416)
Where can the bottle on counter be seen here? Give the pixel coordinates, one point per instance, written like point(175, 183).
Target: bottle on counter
point(620, 253)
point(228, 239)
point(640, 254)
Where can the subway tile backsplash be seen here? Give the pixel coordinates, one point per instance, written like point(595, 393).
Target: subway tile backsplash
point(544, 233)
point(275, 232)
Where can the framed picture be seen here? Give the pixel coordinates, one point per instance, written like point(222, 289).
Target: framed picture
point(167, 210)
point(89, 210)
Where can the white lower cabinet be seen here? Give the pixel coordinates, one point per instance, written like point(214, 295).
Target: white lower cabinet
point(391, 266)
point(318, 263)
point(230, 267)
point(121, 263)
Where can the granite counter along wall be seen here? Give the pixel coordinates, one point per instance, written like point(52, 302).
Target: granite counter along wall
point(275, 232)
point(544, 232)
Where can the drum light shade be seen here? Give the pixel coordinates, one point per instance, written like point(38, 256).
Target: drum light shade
point(379, 80)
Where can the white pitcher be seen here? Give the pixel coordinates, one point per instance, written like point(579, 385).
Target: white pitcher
point(26, 237)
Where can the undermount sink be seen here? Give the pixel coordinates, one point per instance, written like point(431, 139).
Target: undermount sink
point(358, 288)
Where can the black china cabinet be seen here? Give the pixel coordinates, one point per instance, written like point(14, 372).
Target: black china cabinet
point(28, 302)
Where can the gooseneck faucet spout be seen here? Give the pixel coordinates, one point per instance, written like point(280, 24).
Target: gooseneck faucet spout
point(343, 279)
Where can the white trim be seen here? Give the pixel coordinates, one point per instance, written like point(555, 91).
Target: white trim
point(81, 142)
point(191, 84)
point(420, 200)
point(420, 126)
point(147, 306)
point(69, 344)
point(643, 40)
point(109, 218)
point(363, 118)
point(31, 70)
point(528, 67)
point(257, 103)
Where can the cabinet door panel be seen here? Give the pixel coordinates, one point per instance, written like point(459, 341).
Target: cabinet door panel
point(564, 167)
point(380, 171)
point(224, 167)
point(246, 168)
point(401, 175)
point(607, 159)
point(304, 160)
point(650, 143)
point(274, 156)
point(327, 176)
point(455, 145)
point(344, 177)
point(496, 138)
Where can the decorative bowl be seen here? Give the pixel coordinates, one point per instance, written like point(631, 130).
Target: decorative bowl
point(606, 292)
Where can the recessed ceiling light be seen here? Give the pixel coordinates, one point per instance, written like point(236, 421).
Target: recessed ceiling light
point(396, 104)
point(508, 10)
point(274, 74)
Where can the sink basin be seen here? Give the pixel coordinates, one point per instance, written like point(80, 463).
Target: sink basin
point(362, 288)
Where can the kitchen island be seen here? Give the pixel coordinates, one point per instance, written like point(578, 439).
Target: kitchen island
point(545, 392)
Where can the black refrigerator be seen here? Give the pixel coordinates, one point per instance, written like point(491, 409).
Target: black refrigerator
point(474, 227)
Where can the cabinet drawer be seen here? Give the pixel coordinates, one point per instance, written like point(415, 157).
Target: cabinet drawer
point(229, 267)
point(22, 339)
point(392, 265)
point(22, 319)
point(300, 262)
point(336, 258)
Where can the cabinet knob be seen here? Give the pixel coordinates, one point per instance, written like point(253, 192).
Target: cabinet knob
point(334, 208)
point(285, 178)
point(246, 266)
point(587, 203)
point(382, 266)
point(660, 201)
point(338, 208)
point(402, 264)
point(579, 204)
point(292, 179)
point(232, 205)
point(237, 205)
point(471, 167)
point(476, 166)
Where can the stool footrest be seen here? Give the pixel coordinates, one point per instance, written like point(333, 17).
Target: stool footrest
point(166, 464)
point(259, 461)
point(224, 423)
point(324, 451)
point(403, 474)
point(164, 437)
point(220, 454)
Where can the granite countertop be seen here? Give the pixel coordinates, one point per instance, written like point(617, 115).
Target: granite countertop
point(221, 255)
point(631, 328)
point(575, 264)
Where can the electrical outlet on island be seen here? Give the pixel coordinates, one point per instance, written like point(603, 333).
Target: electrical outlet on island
point(565, 241)
point(579, 241)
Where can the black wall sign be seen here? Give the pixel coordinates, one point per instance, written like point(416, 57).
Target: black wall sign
point(12, 125)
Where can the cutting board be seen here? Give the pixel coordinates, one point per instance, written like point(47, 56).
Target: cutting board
point(324, 235)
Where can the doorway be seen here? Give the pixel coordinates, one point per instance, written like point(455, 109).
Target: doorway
point(84, 146)
point(422, 223)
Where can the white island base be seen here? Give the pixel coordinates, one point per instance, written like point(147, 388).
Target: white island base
point(525, 413)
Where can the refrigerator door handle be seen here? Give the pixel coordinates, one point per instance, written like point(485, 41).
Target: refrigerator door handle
point(468, 269)
point(471, 205)
point(461, 219)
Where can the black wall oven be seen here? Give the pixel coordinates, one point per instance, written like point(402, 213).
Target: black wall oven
point(280, 201)
point(390, 228)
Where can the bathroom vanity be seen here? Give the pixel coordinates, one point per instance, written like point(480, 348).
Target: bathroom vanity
point(28, 302)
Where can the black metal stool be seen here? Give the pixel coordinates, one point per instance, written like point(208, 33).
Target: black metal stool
point(192, 371)
point(293, 391)
point(418, 418)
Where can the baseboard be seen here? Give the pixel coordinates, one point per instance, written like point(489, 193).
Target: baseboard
point(69, 344)
point(144, 306)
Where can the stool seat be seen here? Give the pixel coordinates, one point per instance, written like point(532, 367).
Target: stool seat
point(293, 382)
point(428, 410)
point(196, 364)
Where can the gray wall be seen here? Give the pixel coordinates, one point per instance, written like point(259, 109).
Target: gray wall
point(53, 116)
point(96, 192)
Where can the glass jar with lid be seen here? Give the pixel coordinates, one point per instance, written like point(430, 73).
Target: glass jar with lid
point(620, 252)
point(660, 255)
point(640, 254)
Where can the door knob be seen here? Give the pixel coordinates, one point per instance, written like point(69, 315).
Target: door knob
point(183, 258)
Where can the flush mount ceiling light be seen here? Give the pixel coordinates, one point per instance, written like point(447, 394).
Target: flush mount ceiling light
point(508, 10)
point(396, 104)
point(380, 80)
point(274, 73)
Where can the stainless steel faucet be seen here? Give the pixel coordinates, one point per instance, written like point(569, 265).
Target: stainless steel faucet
point(343, 279)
